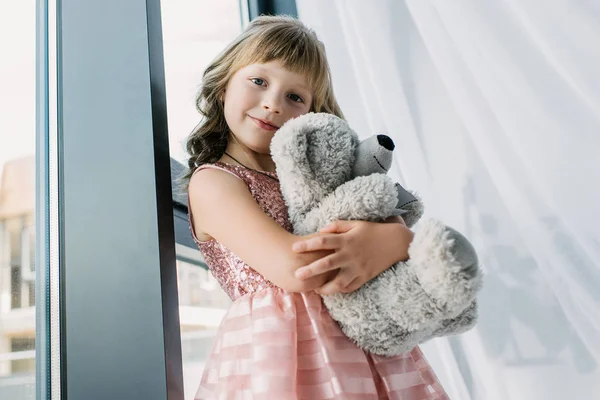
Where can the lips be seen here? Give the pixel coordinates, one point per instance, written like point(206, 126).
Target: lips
point(264, 124)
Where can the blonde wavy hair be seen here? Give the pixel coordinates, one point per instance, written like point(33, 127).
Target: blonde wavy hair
point(267, 38)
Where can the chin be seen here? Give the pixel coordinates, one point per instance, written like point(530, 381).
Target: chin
point(263, 146)
point(262, 150)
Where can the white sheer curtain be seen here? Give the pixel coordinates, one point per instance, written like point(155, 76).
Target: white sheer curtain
point(495, 110)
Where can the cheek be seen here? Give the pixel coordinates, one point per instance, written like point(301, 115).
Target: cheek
point(234, 105)
point(298, 111)
point(230, 116)
point(236, 94)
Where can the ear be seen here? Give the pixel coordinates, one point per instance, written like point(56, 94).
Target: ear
point(313, 154)
point(410, 206)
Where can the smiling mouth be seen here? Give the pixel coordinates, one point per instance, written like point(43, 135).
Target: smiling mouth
point(264, 125)
point(378, 163)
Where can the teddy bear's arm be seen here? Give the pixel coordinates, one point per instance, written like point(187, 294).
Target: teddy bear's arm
point(367, 198)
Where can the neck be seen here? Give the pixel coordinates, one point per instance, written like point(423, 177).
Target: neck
point(249, 158)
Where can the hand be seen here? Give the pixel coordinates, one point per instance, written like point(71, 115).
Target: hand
point(361, 251)
point(397, 219)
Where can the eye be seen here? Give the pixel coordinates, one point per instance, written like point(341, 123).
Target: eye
point(258, 81)
point(295, 98)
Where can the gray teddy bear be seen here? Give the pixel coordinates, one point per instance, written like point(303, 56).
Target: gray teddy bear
point(327, 174)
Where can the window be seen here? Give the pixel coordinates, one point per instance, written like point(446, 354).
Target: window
point(194, 32)
point(17, 201)
point(19, 245)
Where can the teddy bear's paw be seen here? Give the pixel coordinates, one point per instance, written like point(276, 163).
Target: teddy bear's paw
point(446, 266)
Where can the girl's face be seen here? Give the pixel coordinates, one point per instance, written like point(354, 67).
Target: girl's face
point(259, 98)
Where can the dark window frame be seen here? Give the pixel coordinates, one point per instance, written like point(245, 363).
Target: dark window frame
point(272, 7)
point(119, 306)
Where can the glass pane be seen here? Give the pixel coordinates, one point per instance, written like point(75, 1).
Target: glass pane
point(202, 305)
point(17, 200)
point(194, 32)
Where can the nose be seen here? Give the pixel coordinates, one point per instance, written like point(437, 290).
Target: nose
point(386, 142)
point(272, 103)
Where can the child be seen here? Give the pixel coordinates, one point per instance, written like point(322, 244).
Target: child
point(277, 340)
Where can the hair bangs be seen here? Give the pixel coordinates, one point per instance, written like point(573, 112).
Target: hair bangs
point(297, 52)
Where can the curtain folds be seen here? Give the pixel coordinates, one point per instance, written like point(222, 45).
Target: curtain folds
point(495, 110)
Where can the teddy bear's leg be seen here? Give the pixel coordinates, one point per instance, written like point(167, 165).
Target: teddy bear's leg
point(446, 266)
point(391, 313)
point(406, 302)
point(460, 324)
point(367, 198)
point(363, 317)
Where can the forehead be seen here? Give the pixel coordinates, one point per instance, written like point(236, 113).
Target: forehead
point(275, 69)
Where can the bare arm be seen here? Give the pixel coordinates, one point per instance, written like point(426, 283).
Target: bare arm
point(224, 208)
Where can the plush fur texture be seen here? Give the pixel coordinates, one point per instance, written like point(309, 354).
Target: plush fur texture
point(327, 174)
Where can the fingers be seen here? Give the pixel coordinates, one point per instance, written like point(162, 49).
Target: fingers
point(320, 266)
point(339, 284)
point(354, 285)
point(338, 227)
point(396, 219)
point(327, 242)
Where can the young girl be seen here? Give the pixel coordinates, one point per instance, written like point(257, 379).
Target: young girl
point(277, 340)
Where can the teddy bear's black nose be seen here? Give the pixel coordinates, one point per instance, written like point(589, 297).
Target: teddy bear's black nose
point(386, 142)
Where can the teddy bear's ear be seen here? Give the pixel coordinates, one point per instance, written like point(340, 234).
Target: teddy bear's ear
point(410, 206)
point(313, 155)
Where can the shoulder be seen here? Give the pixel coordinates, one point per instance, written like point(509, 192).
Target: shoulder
point(217, 173)
point(212, 181)
point(210, 172)
point(211, 190)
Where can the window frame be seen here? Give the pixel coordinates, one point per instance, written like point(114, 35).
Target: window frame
point(123, 302)
point(272, 7)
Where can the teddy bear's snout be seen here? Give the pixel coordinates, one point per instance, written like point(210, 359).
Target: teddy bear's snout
point(386, 142)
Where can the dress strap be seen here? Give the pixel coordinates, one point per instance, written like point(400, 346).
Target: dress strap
point(232, 169)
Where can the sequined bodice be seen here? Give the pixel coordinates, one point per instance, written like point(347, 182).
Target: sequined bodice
point(235, 277)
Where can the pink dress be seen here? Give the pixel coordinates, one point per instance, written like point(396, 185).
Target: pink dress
point(273, 344)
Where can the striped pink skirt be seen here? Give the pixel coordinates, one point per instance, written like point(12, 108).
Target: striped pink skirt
point(278, 345)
